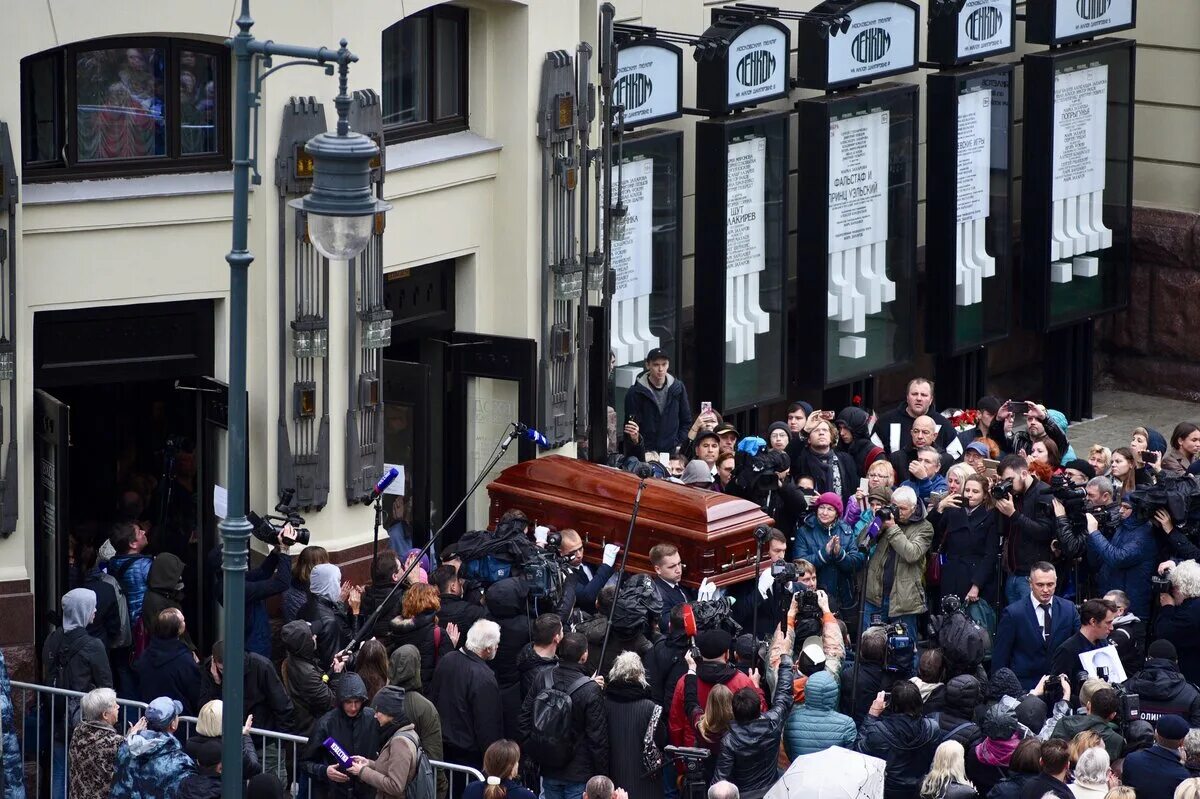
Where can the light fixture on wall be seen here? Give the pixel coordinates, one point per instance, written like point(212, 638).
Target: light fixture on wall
point(376, 329)
point(310, 338)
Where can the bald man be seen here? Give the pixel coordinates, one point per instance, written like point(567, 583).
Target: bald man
point(923, 433)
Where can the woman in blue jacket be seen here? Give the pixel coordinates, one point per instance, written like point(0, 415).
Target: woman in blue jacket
point(1126, 561)
point(828, 543)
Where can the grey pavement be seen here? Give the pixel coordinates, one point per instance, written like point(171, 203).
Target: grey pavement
point(1119, 412)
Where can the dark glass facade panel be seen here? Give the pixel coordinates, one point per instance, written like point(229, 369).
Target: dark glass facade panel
point(120, 107)
point(198, 111)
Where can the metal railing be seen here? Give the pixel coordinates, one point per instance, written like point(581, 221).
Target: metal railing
point(43, 717)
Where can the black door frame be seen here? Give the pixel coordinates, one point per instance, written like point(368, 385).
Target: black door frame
point(408, 383)
point(51, 491)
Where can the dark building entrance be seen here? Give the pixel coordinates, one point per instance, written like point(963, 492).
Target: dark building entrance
point(127, 426)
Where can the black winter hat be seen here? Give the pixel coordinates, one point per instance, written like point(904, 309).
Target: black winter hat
point(999, 724)
point(390, 701)
point(1004, 683)
point(1032, 713)
point(1081, 466)
point(713, 643)
point(1162, 648)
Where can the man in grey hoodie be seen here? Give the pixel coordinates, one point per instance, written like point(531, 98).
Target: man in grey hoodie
point(71, 658)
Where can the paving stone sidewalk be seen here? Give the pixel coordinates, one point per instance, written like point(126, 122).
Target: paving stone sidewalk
point(1118, 412)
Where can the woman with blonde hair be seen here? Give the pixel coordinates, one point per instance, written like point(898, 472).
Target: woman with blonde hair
point(1100, 457)
point(208, 728)
point(947, 778)
point(501, 763)
point(1188, 789)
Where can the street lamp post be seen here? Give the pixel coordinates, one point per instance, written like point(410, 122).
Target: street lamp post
point(340, 201)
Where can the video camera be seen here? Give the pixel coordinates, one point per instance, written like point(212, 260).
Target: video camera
point(761, 473)
point(545, 570)
point(691, 767)
point(898, 653)
point(266, 528)
point(1179, 496)
point(710, 614)
point(1130, 704)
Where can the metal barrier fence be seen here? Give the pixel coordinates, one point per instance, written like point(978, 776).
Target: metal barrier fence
point(43, 717)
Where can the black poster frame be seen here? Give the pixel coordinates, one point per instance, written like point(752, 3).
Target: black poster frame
point(942, 314)
point(1041, 19)
point(1037, 172)
point(812, 244)
point(942, 43)
point(713, 137)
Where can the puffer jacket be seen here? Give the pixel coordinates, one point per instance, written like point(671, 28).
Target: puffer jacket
point(835, 575)
point(907, 744)
point(150, 765)
point(307, 683)
point(162, 592)
point(956, 719)
point(133, 572)
point(92, 759)
point(1163, 691)
point(404, 670)
point(906, 544)
point(422, 632)
point(750, 753)
point(1125, 563)
point(816, 724)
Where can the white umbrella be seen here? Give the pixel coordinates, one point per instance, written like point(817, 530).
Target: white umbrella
point(835, 773)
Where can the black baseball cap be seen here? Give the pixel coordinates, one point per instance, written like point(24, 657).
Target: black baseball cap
point(657, 354)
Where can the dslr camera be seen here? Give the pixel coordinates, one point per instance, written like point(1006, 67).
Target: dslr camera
point(1161, 583)
point(888, 512)
point(266, 528)
point(1003, 489)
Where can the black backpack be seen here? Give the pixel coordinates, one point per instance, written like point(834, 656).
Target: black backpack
point(965, 644)
point(553, 729)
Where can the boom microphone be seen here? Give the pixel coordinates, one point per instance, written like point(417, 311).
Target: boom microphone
point(388, 478)
point(527, 432)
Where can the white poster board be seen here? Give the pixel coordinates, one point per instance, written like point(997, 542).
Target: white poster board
point(632, 255)
point(974, 155)
point(745, 231)
point(882, 38)
point(758, 65)
point(1080, 130)
point(858, 180)
point(647, 83)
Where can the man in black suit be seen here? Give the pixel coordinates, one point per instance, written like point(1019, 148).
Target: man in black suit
point(588, 580)
point(1033, 628)
point(668, 571)
point(1156, 772)
point(1096, 623)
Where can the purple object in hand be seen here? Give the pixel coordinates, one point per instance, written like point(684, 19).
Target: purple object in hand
point(335, 749)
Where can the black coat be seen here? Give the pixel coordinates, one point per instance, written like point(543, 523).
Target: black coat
point(665, 665)
point(589, 727)
point(456, 610)
point(970, 546)
point(1163, 692)
point(807, 463)
point(250, 761)
point(899, 415)
point(107, 623)
point(359, 736)
point(311, 695)
point(422, 632)
point(630, 709)
point(1031, 529)
point(1039, 785)
point(264, 695)
point(530, 665)
point(167, 668)
point(506, 603)
point(749, 755)
point(1010, 788)
point(659, 431)
point(377, 595)
point(84, 660)
point(907, 744)
point(1180, 624)
point(331, 623)
point(467, 698)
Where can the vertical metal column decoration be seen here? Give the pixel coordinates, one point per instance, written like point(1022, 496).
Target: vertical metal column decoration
point(563, 284)
point(370, 328)
point(303, 424)
point(8, 331)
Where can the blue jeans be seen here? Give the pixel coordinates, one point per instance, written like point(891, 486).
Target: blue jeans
point(670, 789)
point(908, 620)
point(561, 789)
point(1016, 587)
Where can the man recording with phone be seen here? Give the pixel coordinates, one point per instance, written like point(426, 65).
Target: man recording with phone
point(1006, 429)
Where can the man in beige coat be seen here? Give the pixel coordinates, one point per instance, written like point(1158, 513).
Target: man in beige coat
point(389, 773)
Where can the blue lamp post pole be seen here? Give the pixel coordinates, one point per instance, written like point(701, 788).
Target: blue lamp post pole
point(341, 207)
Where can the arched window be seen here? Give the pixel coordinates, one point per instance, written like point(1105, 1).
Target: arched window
point(125, 106)
point(425, 74)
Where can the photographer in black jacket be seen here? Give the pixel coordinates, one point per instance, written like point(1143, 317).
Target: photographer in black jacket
point(1161, 688)
point(1179, 617)
point(1029, 524)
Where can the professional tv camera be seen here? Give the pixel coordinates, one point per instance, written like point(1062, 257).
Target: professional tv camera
point(898, 654)
point(266, 528)
point(1179, 496)
point(786, 585)
point(1161, 583)
point(691, 767)
point(711, 614)
point(759, 475)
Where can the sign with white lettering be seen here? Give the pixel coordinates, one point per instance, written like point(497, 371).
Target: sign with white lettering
point(649, 81)
point(746, 192)
point(632, 254)
point(1063, 21)
point(1080, 128)
point(858, 180)
point(974, 155)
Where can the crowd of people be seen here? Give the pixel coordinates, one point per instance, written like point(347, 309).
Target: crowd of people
point(957, 596)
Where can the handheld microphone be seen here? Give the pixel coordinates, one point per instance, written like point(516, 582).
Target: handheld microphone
point(339, 752)
point(388, 478)
point(527, 432)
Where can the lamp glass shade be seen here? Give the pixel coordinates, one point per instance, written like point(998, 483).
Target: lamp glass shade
point(340, 238)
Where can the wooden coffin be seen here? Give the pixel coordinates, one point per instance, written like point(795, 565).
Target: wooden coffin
point(714, 532)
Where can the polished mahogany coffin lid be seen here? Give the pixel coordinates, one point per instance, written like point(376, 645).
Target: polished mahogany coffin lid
point(714, 532)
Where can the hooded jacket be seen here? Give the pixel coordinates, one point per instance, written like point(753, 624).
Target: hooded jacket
point(379, 594)
point(749, 755)
point(83, 659)
point(1070, 726)
point(906, 743)
point(163, 590)
point(835, 574)
point(956, 719)
point(92, 759)
point(150, 765)
point(1126, 562)
point(659, 430)
point(331, 623)
point(816, 724)
point(358, 736)
point(404, 671)
point(709, 673)
point(168, 668)
point(900, 551)
point(1164, 691)
point(305, 681)
point(861, 448)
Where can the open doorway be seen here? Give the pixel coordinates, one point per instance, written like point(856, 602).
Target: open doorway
point(126, 428)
